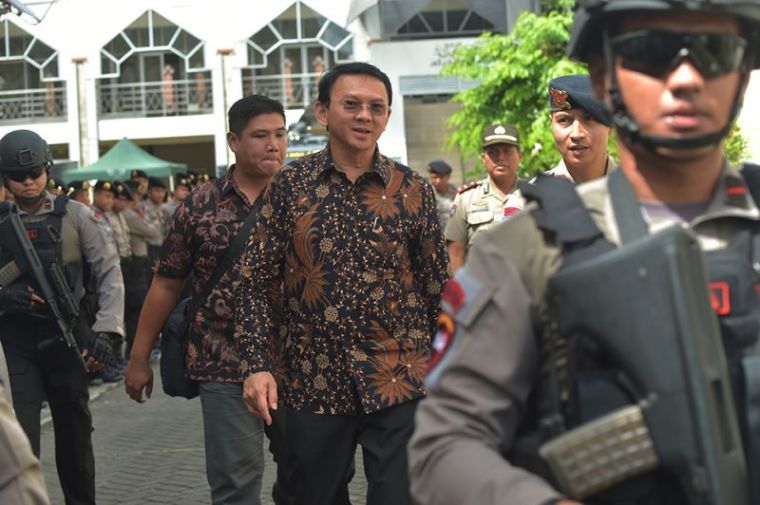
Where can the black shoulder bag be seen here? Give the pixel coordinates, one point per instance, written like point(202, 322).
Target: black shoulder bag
point(174, 336)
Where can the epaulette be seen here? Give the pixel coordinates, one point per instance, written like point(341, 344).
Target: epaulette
point(467, 187)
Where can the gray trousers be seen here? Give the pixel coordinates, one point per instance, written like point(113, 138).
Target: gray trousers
point(234, 445)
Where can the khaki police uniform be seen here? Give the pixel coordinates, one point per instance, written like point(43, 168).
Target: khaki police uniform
point(21, 481)
point(560, 169)
point(478, 207)
point(140, 232)
point(479, 389)
point(445, 202)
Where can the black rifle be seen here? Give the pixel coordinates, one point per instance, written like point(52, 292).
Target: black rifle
point(26, 261)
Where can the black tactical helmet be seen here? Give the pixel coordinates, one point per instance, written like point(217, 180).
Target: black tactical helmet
point(586, 33)
point(590, 34)
point(22, 150)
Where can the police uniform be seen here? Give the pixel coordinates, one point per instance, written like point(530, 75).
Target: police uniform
point(39, 362)
point(490, 363)
point(478, 207)
point(21, 479)
point(446, 199)
point(155, 215)
point(515, 377)
point(560, 169)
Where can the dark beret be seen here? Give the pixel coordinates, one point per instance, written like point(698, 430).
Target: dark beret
point(439, 167)
point(574, 92)
point(139, 173)
point(105, 186)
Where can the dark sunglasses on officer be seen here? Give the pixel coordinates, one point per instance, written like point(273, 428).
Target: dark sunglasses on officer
point(657, 52)
point(21, 176)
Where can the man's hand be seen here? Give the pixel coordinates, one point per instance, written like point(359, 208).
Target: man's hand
point(139, 379)
point(19, 298)
point(260, 395)
point(98, 350)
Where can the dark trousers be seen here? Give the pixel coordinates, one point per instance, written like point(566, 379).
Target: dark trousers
point(282, 490)
point(135, 289)
point(321, 450)
point(55, 373)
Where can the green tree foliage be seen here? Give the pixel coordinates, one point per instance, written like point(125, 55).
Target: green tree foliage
point(736, 147)
point(513, 73)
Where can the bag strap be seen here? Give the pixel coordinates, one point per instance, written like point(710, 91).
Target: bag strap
point(563, 216)
point(625, 205)
point(233, 251)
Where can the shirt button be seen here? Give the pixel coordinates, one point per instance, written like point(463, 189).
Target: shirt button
point(383, 197)
point(393, 380)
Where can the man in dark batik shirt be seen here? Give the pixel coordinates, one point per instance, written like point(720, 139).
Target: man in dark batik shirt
point(200, 232)
point(355, 240)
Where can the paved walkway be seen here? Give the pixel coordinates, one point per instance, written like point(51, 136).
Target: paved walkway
point(151, 453)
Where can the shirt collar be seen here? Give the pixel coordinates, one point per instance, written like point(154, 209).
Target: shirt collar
point(732, 196)
point(380, 164)
point(227, 185)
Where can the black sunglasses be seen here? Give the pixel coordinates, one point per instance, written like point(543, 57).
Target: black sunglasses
point(656, 53)
point(20, 176)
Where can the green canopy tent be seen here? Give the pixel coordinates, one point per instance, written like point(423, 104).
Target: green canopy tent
point(120, 160)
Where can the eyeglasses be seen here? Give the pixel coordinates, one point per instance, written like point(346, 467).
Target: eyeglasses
point(374, 108)
point(20, 176)
point(656, 53)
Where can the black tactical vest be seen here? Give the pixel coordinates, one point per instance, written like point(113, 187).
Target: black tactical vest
point(588, 384)
point(45, 234)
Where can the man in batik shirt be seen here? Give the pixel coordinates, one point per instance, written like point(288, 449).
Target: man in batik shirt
point(355, 240)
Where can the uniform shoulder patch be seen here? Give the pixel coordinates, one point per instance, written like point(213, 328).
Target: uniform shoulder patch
point(467, 187)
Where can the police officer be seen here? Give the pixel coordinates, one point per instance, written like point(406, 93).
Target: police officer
point(512, 381)
point(79, 191)
point(40, 363)
point(580, 127)
point(106, 194)
point(439, 173)
point(140, 232)
point(153, 213)
point(481, 205)
point(182, 188)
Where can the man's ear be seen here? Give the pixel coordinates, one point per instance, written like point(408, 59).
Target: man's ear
point(232, 141)
point(321, 112)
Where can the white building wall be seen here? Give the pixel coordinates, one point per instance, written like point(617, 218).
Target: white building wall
point(749, 118)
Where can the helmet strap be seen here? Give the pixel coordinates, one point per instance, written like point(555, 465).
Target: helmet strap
point(630, 132)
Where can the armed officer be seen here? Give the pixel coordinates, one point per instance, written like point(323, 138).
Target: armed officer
point(581, 356)
point(68, 235)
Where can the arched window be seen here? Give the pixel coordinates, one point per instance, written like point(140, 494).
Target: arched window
point(154, 67)
point(287, 56)
point(444, 18)
point(29, 83)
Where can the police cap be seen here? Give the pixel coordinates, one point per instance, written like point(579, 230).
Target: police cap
point(574, 92)
point(54, 184)
point(439, 167)
point(501, 133)
point(155, 182)
point(122, 189)
point(105, 186)
point(24, 151)
point(138, 174)
point(77, 186)
point(182, 180)
point(591, 14)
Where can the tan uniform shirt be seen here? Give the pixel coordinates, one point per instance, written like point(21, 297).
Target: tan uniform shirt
point(479, 390)
point(479, 208)
point(140, 231)
point(121, 233)
point(21, 481)
point(155, 216)
point(445, 201)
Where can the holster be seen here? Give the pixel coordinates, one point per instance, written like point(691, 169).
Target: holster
point(646, 307)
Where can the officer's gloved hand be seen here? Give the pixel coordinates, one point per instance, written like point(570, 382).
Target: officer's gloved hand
point(98, 350)
point(18, 298)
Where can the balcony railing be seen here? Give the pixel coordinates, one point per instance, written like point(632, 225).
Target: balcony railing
point(292, 90)
point(154, 99)
point(38, 104)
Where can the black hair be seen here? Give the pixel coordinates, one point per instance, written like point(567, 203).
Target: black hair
point(357, 68)
point(249, 107)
